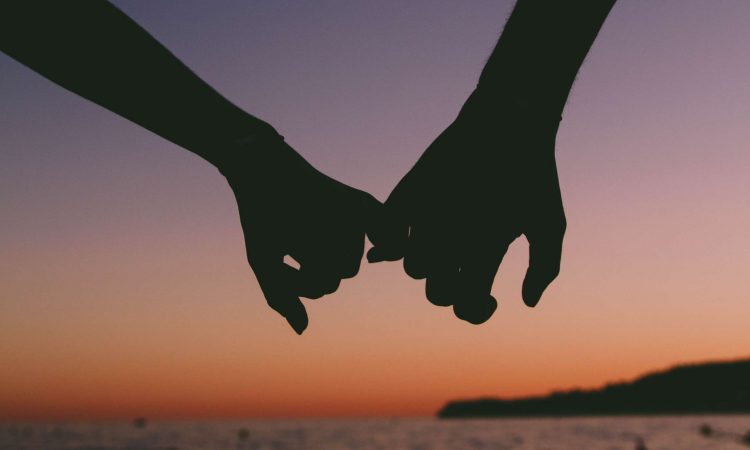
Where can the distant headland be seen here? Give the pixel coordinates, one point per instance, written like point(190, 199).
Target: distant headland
point(707, 388)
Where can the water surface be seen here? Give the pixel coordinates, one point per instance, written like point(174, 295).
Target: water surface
point(608, 433)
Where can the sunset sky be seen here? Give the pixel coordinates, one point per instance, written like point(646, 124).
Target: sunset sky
point(124, 289)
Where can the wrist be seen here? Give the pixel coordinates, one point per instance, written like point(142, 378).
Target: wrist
point(491, 108)
point(251, 147)
point(262, 160)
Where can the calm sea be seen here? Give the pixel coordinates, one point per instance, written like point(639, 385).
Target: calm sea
point(611, 433)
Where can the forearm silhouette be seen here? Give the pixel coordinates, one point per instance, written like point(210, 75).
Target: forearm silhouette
point(491, 175)
point(286, 206)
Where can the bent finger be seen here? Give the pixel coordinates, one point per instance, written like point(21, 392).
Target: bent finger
point(388, 227)
point(441, 287)
point(420, 252)
point(348, 255)
point(278, 281)
point(315, 282)
point(479, 267)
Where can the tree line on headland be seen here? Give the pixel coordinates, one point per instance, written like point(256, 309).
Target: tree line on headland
point(708, 388)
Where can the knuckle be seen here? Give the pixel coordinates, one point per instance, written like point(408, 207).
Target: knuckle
point(313, 295)
point(559, 226)
point(413, 268)
point(274, 304)
point(437, 297)
point(350, 271)
point(550, 270)
point(332, 285)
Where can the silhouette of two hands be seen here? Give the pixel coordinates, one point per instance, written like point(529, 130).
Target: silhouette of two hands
point(488, 178)
point(287, 207)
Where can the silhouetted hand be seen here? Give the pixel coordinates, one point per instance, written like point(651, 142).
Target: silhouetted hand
point(488, 178)
point(289, 208)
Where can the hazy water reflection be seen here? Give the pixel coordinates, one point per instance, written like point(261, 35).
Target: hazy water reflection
point(611, 433)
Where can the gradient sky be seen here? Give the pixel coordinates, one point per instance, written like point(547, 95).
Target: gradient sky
point(124, 289)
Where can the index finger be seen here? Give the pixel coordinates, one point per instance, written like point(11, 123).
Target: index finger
point(545, 253)
point(277, 281)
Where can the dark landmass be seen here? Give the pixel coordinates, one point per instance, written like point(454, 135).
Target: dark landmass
point(709, 388)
